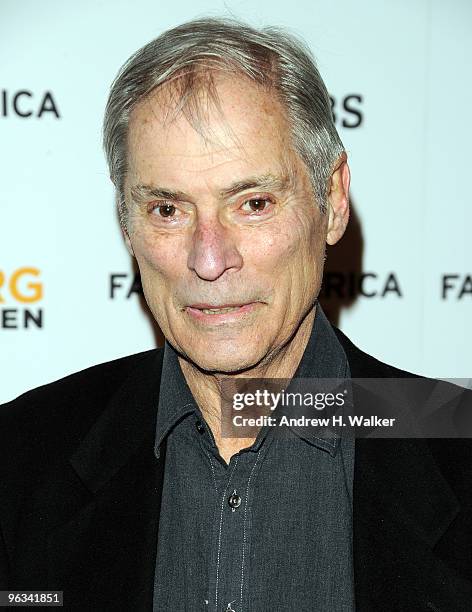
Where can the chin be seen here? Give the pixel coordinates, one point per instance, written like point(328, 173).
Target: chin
point(223, 359)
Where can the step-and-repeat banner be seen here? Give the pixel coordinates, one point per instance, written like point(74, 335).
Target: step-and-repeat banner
point(400, 281)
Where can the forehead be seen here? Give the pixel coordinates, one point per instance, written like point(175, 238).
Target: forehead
point(247, 131)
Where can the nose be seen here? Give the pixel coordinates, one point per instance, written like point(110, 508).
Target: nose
point(213, 250)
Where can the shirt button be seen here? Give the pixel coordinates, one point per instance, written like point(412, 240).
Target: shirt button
point(234, 500)
point(200, 427)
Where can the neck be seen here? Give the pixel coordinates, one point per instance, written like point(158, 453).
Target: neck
point(281, 364)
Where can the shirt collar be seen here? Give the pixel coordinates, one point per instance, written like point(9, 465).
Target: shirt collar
point(324, 357)
point(175, 398)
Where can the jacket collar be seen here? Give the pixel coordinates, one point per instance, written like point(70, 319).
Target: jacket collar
point(129, 418)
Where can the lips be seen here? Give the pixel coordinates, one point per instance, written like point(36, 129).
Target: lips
point(217, 308)
point(220, 313)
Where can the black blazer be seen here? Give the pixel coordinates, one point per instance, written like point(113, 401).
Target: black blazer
point(80, 492)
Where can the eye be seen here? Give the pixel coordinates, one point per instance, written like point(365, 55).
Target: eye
point(164, 210)
point(256, 205)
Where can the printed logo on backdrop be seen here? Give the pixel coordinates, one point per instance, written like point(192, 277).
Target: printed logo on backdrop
point(337, 285)
point(21, 291)
point(27, 104)
point(342, 285)
point(24, 103)
point(456, 286)
point(347, 110)
point(123, 285)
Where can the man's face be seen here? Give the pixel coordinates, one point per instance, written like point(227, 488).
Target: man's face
point(231, 222)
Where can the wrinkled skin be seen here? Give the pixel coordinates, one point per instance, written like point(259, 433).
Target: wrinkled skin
point(261, 246)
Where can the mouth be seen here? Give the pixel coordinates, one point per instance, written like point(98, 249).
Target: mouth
point(213, 313)
point(216, 309)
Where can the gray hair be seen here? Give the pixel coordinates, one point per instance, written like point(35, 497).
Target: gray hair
point(271, 57)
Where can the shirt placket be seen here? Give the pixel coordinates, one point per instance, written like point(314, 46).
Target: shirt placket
point(229, 556)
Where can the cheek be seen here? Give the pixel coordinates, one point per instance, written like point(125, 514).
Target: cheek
point(260, 249)
point(297, 257)
point(311, 247)
point(299, 246)
point(156, 253)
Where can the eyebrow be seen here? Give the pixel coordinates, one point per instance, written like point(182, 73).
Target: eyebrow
point(265, 182)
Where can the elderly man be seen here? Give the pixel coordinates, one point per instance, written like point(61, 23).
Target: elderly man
point(117, 484)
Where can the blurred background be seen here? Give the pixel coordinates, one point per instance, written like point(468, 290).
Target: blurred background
point(399, 284)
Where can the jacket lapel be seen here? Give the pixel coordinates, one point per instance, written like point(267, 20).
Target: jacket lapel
point(402, 507)
point(103, 555)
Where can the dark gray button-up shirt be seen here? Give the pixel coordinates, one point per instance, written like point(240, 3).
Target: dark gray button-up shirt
point(271, 530)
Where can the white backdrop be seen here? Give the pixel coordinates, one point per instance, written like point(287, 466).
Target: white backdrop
point(399, 75)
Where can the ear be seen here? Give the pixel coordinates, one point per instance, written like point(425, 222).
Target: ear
point(338, 200)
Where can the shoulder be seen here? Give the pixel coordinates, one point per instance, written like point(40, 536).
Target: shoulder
point(68, 407)
point(452, 454)
point(420, 388)
point(364, 365)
